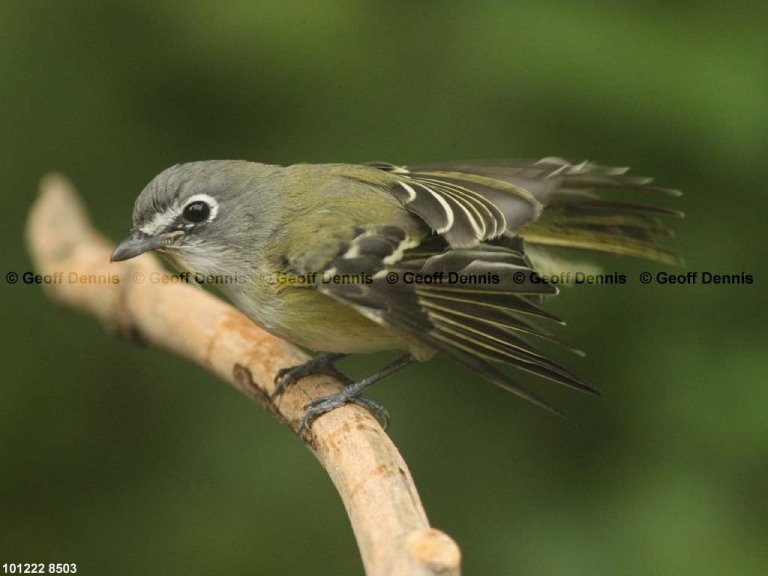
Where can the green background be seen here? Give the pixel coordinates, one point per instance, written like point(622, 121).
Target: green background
point(132, 461)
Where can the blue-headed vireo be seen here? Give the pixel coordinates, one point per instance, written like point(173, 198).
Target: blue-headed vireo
point(347, 259)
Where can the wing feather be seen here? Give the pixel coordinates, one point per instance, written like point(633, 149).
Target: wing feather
point(481, 216)
point(551, 202)
point(483, 320)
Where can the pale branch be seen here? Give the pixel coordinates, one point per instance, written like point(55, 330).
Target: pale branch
point(374, 483)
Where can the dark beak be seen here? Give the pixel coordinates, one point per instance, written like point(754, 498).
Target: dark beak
point(134, 244)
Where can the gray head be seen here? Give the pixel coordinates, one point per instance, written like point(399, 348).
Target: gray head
point(205, 217)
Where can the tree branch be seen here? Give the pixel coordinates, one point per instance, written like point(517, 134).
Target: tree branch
point(374, 483)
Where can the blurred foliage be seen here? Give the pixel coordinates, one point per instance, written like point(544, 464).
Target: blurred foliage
point(131, 461)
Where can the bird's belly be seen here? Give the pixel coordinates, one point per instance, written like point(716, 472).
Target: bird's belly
point(308, 318)
point(347, 336)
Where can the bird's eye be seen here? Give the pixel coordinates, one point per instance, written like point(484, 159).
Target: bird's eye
point(197, 212)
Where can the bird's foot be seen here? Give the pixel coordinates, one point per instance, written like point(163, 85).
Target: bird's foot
point(324, 404)
point(320, 364)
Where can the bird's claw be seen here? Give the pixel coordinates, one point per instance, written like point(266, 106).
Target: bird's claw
point(324, 404)
point(284, 378)
point(321, 364)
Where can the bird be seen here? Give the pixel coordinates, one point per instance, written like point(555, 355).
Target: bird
point(449, 258)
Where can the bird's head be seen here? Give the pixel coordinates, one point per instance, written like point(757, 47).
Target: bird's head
point(204, 217)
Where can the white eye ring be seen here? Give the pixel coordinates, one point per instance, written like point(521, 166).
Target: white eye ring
point(213, 205)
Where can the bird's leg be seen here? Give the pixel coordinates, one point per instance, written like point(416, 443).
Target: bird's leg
point(320, 364)
point(351, 393)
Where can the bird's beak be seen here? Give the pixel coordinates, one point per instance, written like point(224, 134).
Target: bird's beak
point(136, 243)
